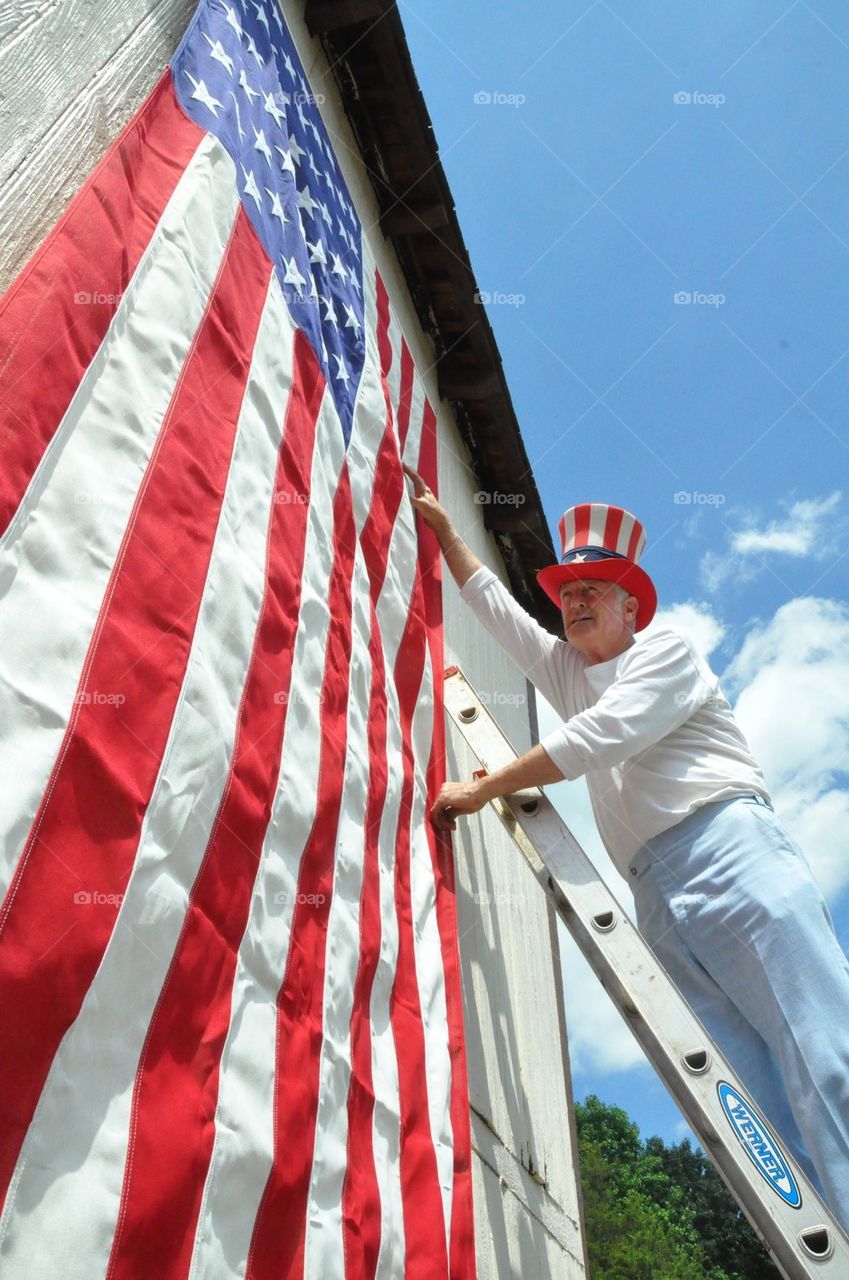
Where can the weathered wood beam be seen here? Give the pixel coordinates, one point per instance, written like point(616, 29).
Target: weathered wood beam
point(408, 219)
point(322, 16)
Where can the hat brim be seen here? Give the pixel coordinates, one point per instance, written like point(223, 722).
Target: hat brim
point(627, 574)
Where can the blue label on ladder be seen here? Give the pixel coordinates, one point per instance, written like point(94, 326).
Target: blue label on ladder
point(759, 1143)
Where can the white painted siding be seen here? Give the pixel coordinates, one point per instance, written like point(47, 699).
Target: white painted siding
point(74, 72)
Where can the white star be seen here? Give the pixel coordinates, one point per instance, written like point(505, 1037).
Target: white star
point(341, 372)
point(317, 253)
point(579, 559)
point(343, 231)
point(330, 310)
point(251, 189)
point(352, 275)
point(305, 201)
point(203, 95)
point(261, 16)
point(354, 250)
point(296, 149)
point(314, 166)
point(328, 180)
point(262, 145)
point(352, 322)
point(287, 62)
point(286, 161)
point(233, 21)
point(277, 210)
point(276, 16)
point(272, 108)
point(292, 275)
point(253, 49)
point(219, 53)
point(301, 116)
point(325, 213)
point(243, 81)
point(338, 268)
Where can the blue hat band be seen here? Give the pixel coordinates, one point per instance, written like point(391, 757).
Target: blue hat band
point(591, 553)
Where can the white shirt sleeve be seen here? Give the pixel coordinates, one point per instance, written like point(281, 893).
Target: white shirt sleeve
point(659, 685)
point(531, 647)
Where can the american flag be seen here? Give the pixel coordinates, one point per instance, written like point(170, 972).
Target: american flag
point(231, 1039)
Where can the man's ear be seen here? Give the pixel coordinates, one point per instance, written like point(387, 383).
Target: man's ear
point(632, 604)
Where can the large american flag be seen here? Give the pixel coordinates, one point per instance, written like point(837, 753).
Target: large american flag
point(230, 1008)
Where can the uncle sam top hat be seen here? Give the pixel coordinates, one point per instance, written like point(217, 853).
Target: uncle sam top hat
point(601, 541)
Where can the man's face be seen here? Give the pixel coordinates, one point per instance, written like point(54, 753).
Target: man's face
point(597, 617)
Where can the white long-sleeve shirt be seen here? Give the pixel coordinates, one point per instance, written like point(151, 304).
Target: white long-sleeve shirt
point(650, 729)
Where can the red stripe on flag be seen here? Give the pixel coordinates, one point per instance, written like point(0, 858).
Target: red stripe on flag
point(48, 335)
point(384, 345)
point(462, 1231)
point(582, 524)
point(360, 1193)
point(173, 1117)
point(277, 1245)
point(405, 397)
point(85, 834)
point(424, 1218)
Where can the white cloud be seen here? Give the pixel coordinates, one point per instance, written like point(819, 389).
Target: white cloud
point(808, 529)
point(797, 535)
point(696, 621)
point(791, 678)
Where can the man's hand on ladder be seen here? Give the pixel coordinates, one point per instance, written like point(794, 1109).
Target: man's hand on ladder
point(455, 798)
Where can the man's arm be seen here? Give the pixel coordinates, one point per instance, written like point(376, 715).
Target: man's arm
point(534, 769)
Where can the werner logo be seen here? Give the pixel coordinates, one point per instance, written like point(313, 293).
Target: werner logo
point(759, 1143)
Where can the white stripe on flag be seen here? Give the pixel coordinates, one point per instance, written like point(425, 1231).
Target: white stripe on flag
point(428, 946)
point(244, 1118)
point(83, 1115)
point(324, 1253)
point(58, 565)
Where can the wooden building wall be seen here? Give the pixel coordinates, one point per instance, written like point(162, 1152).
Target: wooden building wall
point(73, 73)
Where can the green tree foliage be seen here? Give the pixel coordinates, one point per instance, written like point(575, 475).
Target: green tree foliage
point(655, 1212)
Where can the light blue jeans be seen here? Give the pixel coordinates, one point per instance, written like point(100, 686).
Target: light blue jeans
point(727, 902)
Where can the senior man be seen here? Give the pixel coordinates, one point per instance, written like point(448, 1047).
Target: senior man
point(723, 895)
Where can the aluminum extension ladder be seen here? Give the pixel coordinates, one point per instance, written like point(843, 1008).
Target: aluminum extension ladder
point(804, 1241)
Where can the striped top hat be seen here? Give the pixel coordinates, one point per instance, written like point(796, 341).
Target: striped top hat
point(603, 542)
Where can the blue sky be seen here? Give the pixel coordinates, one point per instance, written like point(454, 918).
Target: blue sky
point(604, 161)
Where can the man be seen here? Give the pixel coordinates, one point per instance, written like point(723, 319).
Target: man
point(723, 895)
